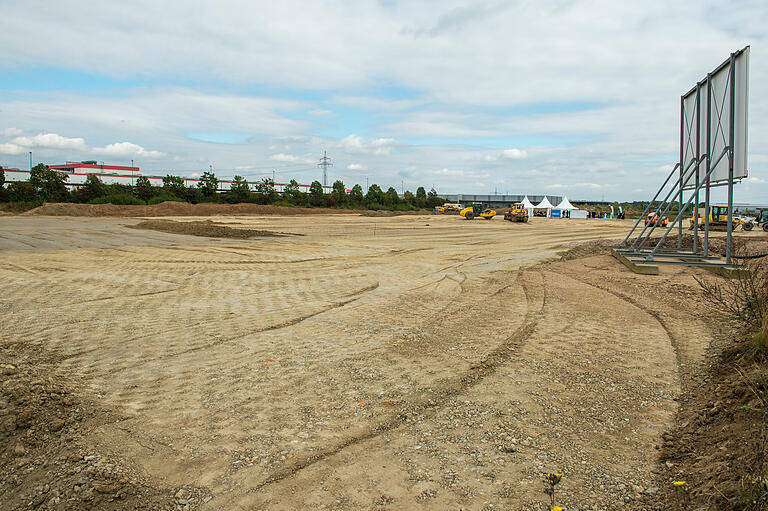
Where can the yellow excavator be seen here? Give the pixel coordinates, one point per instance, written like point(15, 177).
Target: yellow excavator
point(477, 210)
point(718, 219)
point(516, 213)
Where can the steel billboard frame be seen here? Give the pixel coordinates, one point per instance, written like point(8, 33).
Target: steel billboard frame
point(690, 164)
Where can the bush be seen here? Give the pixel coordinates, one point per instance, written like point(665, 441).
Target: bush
point(118, 199)
point(375, 206)
point(164, 197)
point(20, 206)
point(23, 191)
point(743, 298)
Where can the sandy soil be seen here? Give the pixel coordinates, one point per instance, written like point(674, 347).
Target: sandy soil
point(415, 362)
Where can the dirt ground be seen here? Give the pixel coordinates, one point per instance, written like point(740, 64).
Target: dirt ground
point(171, 208)
point(412, 362)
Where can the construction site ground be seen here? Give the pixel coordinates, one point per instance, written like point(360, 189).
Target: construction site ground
point(348, 362)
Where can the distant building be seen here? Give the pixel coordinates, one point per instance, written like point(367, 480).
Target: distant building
point(93, 167)
point(77, 173)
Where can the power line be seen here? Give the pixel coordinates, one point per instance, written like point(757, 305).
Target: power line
point(325, 162)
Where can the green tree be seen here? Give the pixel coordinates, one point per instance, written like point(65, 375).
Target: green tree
point(421, 197)
point(239, 191)
point(356, 195)
point(293, 194)
point(143, 189)
point(91, 189)
point(374, 199)
point(22, 191)
point(49, 184)
point(174, 185)
point(208, 185)
point(316, 194)
point(3, 191)
point(339, 193)
point(432, 199)
point(409, 198)
point(266, 189)
point(194, 195)
point(391, 198)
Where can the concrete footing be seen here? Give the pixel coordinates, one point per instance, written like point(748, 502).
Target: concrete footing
point(642, 269)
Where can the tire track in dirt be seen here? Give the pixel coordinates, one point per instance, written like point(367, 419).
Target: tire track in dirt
point(674, 341)
point(151, 293)
point(354, 297)
point(431, 401)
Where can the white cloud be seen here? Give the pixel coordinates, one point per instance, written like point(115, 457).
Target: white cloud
point(289, 158)
point(126, 149)
point(357, 166)
point(50, 140)
point(757, 180)
point(446, 172)
point(355, 144)
point(383, 65)
point(320, 113)
point(514, 154)
point(11, 132)
point(11, 149)
point(594, 186)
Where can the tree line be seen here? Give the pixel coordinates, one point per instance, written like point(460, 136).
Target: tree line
point(46, 185)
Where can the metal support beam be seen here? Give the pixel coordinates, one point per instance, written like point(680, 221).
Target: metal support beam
point(680, 214)
point(698, 153)
point(731, 155)
point(658, 210)
point(682, 160)
point(648, 207)
point(709, 164)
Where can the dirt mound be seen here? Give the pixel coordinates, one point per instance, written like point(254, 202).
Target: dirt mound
point(384, 213)
point(178, 209)
point(719, 446)
point(207, 228)
point(587, 249)
point(45, 461)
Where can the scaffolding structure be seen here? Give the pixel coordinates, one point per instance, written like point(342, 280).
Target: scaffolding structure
point(713, 153)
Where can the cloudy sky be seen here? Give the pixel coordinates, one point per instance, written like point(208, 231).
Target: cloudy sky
point(574, 97)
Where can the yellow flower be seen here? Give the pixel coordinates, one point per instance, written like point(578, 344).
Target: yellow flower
point(678, 483)
point(554, 477)
point(557, 508)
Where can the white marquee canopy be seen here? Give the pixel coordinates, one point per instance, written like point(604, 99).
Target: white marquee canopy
point(527, 203)
point(565, 205)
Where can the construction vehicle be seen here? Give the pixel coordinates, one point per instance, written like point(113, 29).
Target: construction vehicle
point(718, 219)
point(477, 210)
point(516, 213)
point(449, 208)
point(653, 219)
point(760, 220)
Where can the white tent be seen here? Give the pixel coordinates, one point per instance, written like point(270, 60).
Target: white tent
point(565, 205)
point(528, 205)
point(545, 204)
